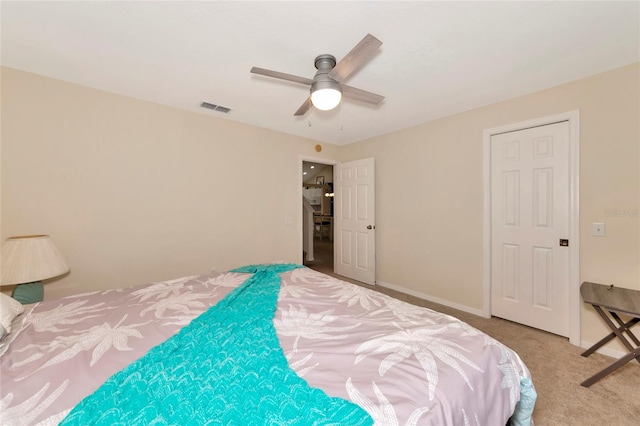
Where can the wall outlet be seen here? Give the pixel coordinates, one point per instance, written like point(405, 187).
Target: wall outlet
point(598, 230)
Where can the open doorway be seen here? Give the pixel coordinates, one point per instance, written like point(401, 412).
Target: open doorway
point(317, 191)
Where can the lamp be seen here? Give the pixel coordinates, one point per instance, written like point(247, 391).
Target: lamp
point(26, 261)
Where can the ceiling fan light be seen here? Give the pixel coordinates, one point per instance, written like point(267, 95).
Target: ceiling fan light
point(326, 99)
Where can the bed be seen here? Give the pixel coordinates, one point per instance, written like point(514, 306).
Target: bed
point(398, 364)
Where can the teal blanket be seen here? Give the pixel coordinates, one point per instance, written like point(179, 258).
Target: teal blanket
point(226, 367)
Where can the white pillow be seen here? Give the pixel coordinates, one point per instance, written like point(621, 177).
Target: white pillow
point(9, 309)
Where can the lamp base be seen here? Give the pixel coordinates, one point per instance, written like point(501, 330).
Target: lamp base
point(29, 292)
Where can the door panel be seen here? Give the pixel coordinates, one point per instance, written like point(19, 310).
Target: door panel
point(355, 220)
point(530, 214)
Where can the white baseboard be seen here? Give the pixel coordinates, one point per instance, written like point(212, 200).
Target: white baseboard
point(433, 299)
point(614, 353)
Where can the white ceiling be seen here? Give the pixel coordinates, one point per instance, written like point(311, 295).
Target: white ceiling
point(438, 58)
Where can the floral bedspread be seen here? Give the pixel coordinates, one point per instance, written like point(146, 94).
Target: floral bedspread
point(405, 365)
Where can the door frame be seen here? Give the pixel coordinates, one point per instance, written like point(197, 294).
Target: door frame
point(308, 159)
point(573, 118)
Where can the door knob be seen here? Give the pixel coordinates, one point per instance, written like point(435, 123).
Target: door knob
point(369, 227)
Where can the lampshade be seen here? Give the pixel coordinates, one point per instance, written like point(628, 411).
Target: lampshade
point(326, 94)
point(30, 258)
point(326, 99)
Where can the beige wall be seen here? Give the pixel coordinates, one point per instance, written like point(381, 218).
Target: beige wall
point(133, 192)
point(429, 211)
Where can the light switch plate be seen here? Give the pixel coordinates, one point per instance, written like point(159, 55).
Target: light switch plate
point(598, 230)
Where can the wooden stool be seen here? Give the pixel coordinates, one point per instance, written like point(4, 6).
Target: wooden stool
point(613, 301)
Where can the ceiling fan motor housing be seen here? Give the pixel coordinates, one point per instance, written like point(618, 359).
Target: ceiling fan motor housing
point(324, 64)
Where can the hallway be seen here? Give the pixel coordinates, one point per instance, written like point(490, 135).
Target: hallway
point(323, 256)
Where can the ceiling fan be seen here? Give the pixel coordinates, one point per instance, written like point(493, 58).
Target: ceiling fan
point(326, 86)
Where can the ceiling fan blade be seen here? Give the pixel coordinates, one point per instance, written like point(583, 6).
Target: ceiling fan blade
point(282, 76)
point(361, 95)
point(304, 107)
point(354, 59)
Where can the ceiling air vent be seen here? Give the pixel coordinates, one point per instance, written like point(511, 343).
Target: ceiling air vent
point(215, 107)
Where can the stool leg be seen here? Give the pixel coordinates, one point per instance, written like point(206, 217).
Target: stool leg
point(598, 345)
point(610, 369)
point(623, 327)
point(626, 326)
point(613, 328)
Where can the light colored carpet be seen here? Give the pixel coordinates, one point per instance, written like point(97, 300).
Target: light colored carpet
point(556, 366)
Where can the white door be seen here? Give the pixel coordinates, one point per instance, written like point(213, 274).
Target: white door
point(354, 216)
point(529, 218)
